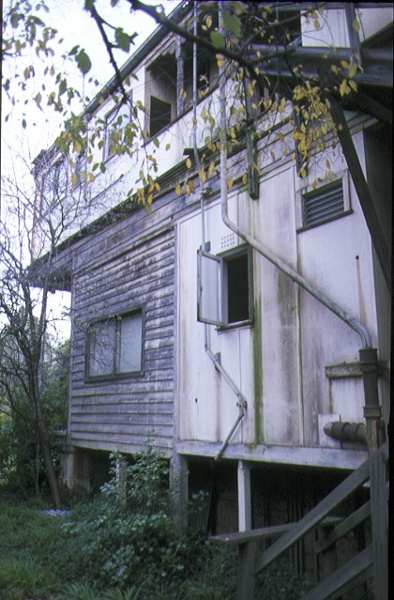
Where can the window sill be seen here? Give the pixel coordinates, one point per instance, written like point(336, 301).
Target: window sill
point(230, 326)
point(113, 378)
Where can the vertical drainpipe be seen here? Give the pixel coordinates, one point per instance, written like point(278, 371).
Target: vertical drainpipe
point(372, 408)
point(241, 403)
point(368, 354)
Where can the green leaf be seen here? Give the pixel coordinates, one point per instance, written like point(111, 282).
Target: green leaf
point(122, 39)
point(238, 8)
point(83, 62)
point(232, 23)
point(217, 39)
point(62, 86)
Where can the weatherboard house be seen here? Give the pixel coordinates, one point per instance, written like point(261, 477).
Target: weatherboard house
point(242, 323)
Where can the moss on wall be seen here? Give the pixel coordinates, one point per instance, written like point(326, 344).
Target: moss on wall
point(258, 372)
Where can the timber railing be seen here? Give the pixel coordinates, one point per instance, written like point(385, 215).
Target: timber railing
point(369, 564)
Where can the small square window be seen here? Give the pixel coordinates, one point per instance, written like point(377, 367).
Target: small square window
point(225, 287)
point(114, 346)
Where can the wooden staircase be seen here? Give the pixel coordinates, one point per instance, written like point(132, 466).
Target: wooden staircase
point(371, 562)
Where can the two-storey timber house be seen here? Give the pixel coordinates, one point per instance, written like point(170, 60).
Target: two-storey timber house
point(242, 324)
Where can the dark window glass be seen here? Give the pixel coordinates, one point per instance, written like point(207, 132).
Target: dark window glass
point(160, 115)
point(115, 346)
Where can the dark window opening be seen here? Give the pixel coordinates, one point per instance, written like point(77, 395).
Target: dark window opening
point(225, 288)
point(237, 275)
point(161, 94)
point(160, 115)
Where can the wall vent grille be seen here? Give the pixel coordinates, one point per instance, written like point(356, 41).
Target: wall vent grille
point(323, 204)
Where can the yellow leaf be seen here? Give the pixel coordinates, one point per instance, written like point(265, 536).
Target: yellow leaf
point(345, 64)
point(353, 85)
point(203, 176)
point(230, 183)
point(178, 189)
point(245, 178)
point(74, 178)
point(352, 70)
point(211, 168)
point(356, 25)
point(220, 60)
point(316, 24)
point(328, 164)
point(344, 88)
point(188, 163)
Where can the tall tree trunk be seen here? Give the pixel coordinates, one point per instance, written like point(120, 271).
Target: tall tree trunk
point(45, 447)
point(43, 438)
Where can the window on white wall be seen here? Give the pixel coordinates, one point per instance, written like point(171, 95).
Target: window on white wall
point(114, 346)
point(225, 287)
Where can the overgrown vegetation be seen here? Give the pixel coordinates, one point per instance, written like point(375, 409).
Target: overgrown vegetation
point(21, 464)
point(122, 545)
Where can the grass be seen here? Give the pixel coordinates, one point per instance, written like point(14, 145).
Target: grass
point(40, 561)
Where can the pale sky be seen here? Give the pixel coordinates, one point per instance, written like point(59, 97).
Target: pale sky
point(19, 146)
point(76, 27)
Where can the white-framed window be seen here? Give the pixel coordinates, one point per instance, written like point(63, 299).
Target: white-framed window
point(325, 203)
point(115, 122)
point(114, 346)
point(225, 288)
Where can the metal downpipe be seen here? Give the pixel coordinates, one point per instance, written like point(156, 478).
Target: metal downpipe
point(242, 404)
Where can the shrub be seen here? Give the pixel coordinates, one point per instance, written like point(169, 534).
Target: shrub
point(127, 536)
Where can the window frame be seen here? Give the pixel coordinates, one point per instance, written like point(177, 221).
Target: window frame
point(115, 374)
point(220, 294)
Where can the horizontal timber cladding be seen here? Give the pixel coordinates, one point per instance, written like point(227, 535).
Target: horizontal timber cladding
point(117, 277)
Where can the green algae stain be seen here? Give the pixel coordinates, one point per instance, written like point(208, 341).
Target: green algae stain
point(258, 371)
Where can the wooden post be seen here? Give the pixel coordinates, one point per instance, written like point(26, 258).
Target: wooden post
point(179, 485)
point(372, 408)
point(180, 76)
point(379, 518)
point(244, 497)
point(245, 589)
